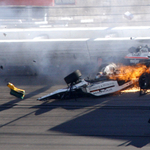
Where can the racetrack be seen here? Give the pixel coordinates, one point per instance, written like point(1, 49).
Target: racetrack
point(37, 60)
point(109, 122)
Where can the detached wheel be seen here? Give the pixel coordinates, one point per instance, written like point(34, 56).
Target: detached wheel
point(144, 81)
point(73, 77)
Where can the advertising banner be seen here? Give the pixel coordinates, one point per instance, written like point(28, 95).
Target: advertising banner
point(27, 2)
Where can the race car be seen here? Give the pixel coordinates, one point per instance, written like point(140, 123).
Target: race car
point(141, 54)
point(77, 86)
point(136, 55)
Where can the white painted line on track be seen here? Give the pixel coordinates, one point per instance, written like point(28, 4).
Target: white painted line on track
point(44, 40)
point(112, 39)
point(75, 29)
point(76, 40)
point(53, 29)
point(131, 28)
point(142, 38)
point(122, 38)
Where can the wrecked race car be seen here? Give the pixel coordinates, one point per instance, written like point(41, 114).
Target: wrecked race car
point(78, 86)
point(136, 55)
point(140, 54)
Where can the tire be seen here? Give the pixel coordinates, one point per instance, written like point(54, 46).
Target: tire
point(73, 77)
point(144, 81)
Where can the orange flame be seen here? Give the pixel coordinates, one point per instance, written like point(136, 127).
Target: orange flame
point(131, 90)
point(127, 73)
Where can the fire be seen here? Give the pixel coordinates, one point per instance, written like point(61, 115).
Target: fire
point(131, 90)
point(127, 73)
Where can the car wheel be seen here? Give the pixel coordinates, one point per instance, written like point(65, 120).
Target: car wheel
point(144, 81)
point(73, 77)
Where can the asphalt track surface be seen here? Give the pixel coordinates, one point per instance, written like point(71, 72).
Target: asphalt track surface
point(111, 122)
point(108, 123)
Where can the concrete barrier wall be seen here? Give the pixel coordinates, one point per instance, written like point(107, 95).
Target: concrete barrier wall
point(58, 58)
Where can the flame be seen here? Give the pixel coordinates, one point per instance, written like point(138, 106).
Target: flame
point(127, 73)
point(131, 90)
